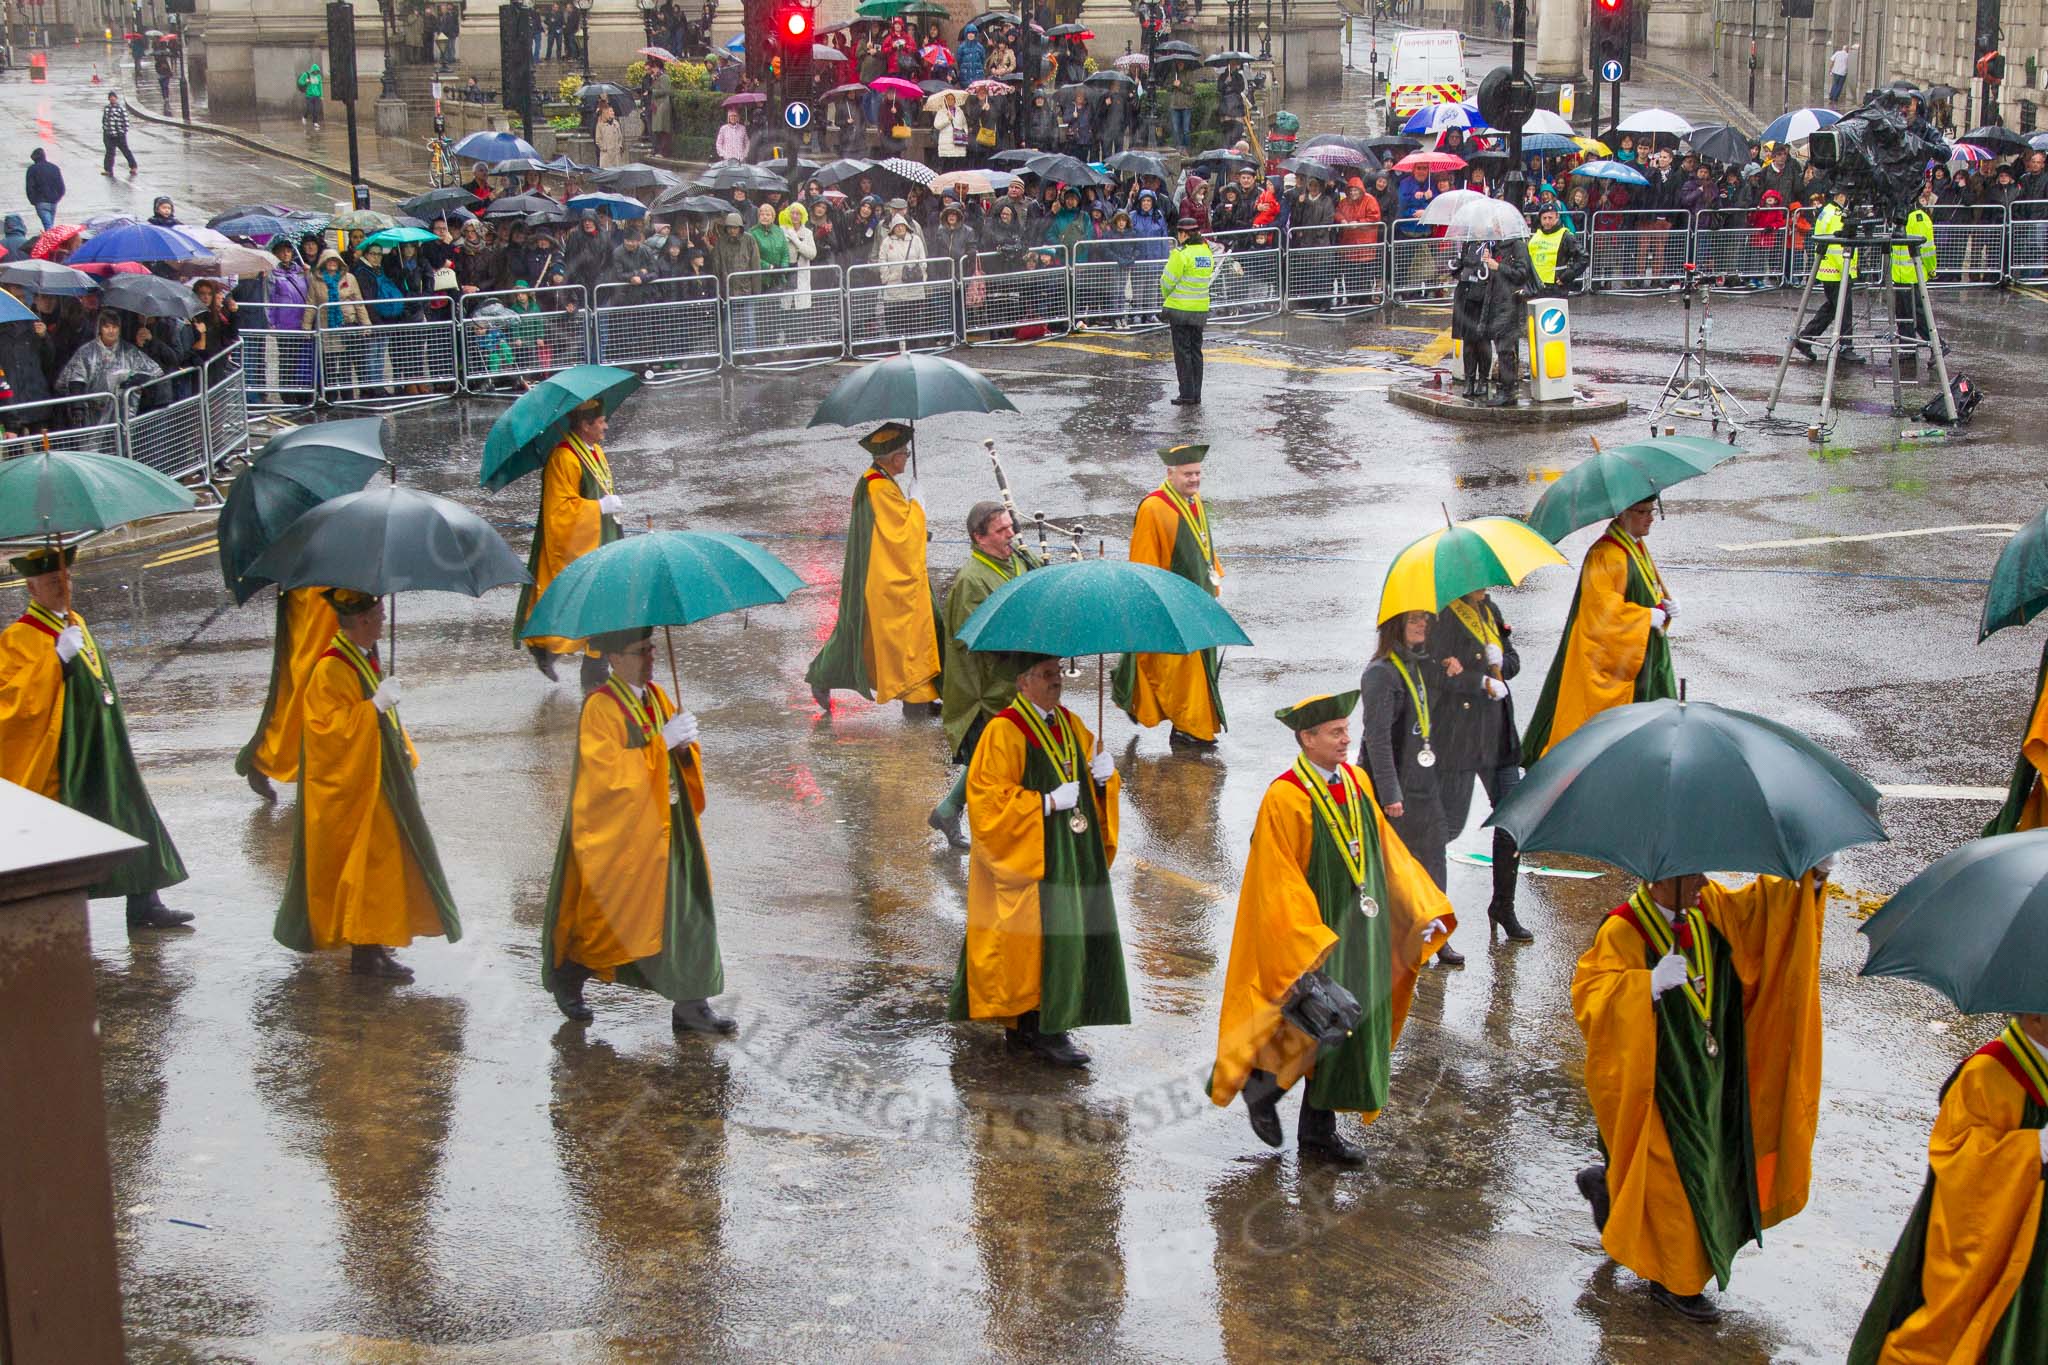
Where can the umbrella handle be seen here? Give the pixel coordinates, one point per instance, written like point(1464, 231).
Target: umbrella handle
point(392, 621)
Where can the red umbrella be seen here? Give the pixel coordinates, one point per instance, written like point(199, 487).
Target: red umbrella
point(744, 97)
point(1429, 163)
point(55, 240)
point(102, 269)
point(657, 54)
point(896, 85)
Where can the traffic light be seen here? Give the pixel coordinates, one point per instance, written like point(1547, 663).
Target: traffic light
point(515, 56)
point(796, 29)
point(1610, 37)
point(341, 52)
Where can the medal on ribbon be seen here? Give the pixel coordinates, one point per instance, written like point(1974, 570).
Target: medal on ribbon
point(1065, 759)
point(1346, 830)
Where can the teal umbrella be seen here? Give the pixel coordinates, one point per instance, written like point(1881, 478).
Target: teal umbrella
point(293, 473)
point(1971, 925)
point(53, 493)
point(1617, 479)
point(661, 578)
point(2019, 580)
point(399, 236)
point(1666, 788)
point(906, 387)
point(1100, 606)
point(526, 432)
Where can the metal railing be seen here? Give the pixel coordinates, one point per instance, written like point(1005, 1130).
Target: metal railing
point(395, 362)
point(2026, 240)
point(1739, 256)
point(185, 424)
point(1334, 278)
point(281, 370)
point(83, 421)
point(1247, 282)
point(1969, 245)
point(1019, 304)
point(661, 328)
point(511, 335)
point(891, 306)
point(1630, 249)
point(772, 325)
point(1116, 283)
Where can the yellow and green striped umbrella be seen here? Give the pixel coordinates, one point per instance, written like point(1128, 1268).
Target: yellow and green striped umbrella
point(1486, 552)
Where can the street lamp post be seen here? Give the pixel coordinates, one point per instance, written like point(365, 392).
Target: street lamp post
point(1752, 54)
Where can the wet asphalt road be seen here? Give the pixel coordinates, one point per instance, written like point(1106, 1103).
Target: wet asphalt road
point(447, 1171)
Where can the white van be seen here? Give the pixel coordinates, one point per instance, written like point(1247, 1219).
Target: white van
point(1427, 68)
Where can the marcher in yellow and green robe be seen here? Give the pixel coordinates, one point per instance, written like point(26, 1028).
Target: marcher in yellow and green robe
point(1705, 1082)
point(1613, 650)
point(885, 645)
point(63, 734)
point(1172, 531)
point(630, 898)
point(2026, 797)
point(1968, 1281)
point(1043, 954)
point(305, 628)
point(578, 512)
point(1368, 919)
point(364, 870)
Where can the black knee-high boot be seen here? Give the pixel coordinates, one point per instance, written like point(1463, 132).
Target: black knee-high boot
point(1507, 865)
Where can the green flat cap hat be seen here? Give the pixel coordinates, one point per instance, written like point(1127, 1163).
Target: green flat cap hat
point(43, 560)
point(1010, 662)
point(1310, 712)
point(347, 601)
point(1189, 453)
point(886, 439)
point(619, 641)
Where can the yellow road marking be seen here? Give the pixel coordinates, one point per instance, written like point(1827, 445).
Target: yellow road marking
point(179, 556)
point(1435, 349)
point(2035, 294)
point(1396, 327)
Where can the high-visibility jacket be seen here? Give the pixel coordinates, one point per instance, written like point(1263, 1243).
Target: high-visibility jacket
point(1831, 223)
point(1543, 249)
point(1184, 285)
point(1910, 263)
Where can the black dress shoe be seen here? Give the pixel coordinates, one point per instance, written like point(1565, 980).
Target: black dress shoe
point(1698, 1307)
point(545, 662)
point(1316, 1135)
point(1180, 402)
point(260, 784)
point(1058, 1049)
point(697, 1016)
point(148, 912)
point(1804, 350)
point(950, 826)
point(1181, 739)
point(592, 673)
point(1261, 1096)
point(1449, 956)
point(822, 696)
point(375, 960)
point(569, 979)
point(1592, 1183)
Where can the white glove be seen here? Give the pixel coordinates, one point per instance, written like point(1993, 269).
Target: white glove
point(1658, 618)
point(1493, 656)
point(1102, 767)
point(69, 641)
point(680, 732)
point(611, 504)
point(915, 492)
point(1495, 688)
point(1670, 606)
point(1436, 928)
point(386, 695)
point(1669, 971)
point(1065, 796)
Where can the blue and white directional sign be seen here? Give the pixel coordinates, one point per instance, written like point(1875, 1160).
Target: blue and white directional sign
point(1610, 70)
point(797, 114)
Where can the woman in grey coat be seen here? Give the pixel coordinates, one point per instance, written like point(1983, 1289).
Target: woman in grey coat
point(1395, 746)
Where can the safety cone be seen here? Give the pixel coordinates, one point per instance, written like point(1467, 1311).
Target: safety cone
point(95, 73)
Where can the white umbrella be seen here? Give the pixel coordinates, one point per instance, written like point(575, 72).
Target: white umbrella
point(1487, 220)
point(1655, 121)
point(1544, 121)
point(1439, 211)
point(230, 256)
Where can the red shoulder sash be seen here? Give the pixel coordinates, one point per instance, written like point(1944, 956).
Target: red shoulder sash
point(43, 626)
point(1337, 793)
point(1627, 913)
point(2000, 1053)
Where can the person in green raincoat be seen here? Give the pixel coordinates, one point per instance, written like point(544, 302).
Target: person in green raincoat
point(1043, 955)
point(63, 734)
point(630, 898)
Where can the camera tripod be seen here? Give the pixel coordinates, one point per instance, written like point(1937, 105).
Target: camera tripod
point(1692, 379)
point(1874, 236)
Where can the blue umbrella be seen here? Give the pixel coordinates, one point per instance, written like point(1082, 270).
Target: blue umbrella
point(1545, 143)
point(13, 309)
point(1798, 125)
point(140, 242)
point(1434, 118)
point(493, 147)
point(621, 205)
point(258, 226)
point(1617, 171)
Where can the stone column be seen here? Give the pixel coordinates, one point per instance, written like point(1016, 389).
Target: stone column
point(1560, 41)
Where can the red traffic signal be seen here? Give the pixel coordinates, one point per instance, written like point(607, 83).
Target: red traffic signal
point(1610, 5)
point(794, 24)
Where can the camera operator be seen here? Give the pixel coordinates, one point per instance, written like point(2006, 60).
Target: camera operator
point(1828, 273)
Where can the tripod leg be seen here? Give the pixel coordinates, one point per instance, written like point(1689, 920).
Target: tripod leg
point(1827, 386)
point(1948, 398)
point(1785, 360)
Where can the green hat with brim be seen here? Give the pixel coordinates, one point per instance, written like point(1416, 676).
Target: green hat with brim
point(1009, 663)
point(44, 559)
point(1310, 712)
point(619, 641)
point(348, 602)
point(1184, 454)
point(886, 439)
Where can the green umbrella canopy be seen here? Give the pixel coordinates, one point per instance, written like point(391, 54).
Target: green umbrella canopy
point(2019, 581)
point(293, 473)
point(1666, 788)
point(1618, 478)
point(526, 432)
point(906, 387)
point(399, 236)
point(61, 492)
point(386, 539)
point(661, 578)
point(1100, 606)
point(1972, 925)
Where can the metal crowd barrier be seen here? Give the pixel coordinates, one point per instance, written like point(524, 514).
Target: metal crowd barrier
point(394, 363)
point(1872, 267)
point(502, 344)
point(1738, 256)
point(183, 424)
point(1017, 303)
point(281, 372)
point(84, 422)
point(1419, 263)
point(1333, 280)
point(1109, 289)
point(2026, 250)
point(891, 307)
point(1631, 249)
point(1969, 245)
point(1247, 283)
point(671, 338)
point(770, 326)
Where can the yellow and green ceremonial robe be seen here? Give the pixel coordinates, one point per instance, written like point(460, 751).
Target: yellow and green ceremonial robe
point(2026, 797)
point(1608, 655)
point(305, 628)
point(1968, 1281)
point(976, 686)
point(570, 526)
point(1705, 1148)
point(364, 870)
point(62, 733)
point(1303, 906)
point(1173, 533)
point(1041, 921)
point(630, 898)
point(885, 645)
